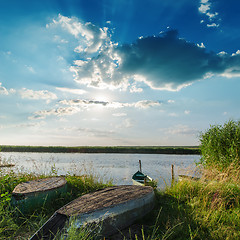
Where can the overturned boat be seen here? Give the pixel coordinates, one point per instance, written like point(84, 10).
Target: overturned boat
point(112, 208)
point(29, 195)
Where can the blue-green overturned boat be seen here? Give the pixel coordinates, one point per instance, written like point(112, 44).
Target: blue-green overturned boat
point(29, 195)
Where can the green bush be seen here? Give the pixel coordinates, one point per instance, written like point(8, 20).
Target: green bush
point(220, 145)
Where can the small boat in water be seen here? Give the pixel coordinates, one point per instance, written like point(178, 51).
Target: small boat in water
point(29, 195)
point(139, 178)
point(112, 209)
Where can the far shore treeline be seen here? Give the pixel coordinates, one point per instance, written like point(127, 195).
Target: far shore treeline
point(104, 149)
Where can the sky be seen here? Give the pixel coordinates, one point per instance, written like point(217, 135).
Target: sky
point(117, 72)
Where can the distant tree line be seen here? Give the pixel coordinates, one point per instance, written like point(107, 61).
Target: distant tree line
point(99, 149)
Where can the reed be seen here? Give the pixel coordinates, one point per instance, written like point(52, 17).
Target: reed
point(220, 145)
point(15, 224)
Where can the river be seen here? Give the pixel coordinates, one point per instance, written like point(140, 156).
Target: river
point(116, 167)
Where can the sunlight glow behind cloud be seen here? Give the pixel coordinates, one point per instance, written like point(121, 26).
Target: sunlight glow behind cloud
point(86, 71)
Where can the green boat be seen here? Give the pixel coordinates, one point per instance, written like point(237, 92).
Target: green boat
point(139, 178)
point(29, 195)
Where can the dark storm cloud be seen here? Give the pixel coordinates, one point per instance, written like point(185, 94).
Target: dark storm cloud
point(169, 60)
point(162, 62)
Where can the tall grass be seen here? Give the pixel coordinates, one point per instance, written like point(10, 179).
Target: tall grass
point(210, 207)
point(213, 207)
point(220, 145)
point(15, 224)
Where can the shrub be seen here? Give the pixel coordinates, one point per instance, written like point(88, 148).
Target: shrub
point(220, 145)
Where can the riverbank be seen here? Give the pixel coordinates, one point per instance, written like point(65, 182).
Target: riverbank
point(193, 150)
point(203, 209)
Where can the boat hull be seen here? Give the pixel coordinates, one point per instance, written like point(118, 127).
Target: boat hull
point(120, 216)
point(141, 179)
point(110, 210)
point(28, 196)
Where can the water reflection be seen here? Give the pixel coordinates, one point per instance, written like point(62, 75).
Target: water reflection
point(118, 167)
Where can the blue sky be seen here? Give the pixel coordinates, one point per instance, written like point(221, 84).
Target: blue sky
point(117, 72)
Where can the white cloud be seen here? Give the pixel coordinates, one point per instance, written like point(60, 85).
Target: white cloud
point(222, 53)
point(71, 90)
point(89, 132)
point(3, 90)
point(213, 25)
point(32, 125)
point(205, 8)
point(76, 105)
point(201, 45)
point(127, 123)
point(30, 69)
point(119, 114)
point(237, 53)
point(90, 37)
point(187, 112)
point(37, 95)
point(212, 15)
point(160, 62)
point(96, 132)
point(54, 112)
point(145, 62)
point(172, 114)
point(80, 102)
point(144, 104)
point(135, 89)
point(181, 130)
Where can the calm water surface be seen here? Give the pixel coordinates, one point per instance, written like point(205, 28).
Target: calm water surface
point(116, 167)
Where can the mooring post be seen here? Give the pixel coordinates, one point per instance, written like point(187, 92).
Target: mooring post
point(140, 165)
point(172, 173)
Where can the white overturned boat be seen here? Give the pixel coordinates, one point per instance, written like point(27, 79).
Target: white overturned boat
point(113, 208)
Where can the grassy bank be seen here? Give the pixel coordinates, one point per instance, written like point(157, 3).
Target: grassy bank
point(99, 149)
point(204, 209)
point(15, 224)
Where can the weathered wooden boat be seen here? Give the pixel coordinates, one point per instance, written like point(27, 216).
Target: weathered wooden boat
point(112, 209)
point(29, 195)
